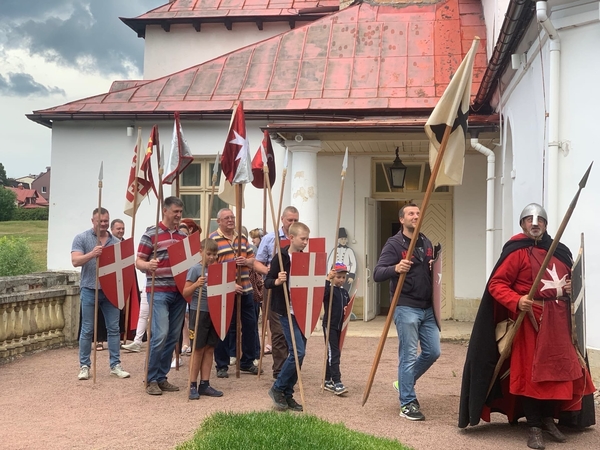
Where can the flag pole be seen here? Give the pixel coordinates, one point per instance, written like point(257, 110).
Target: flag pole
point(100, 176)
point(411, 248)
point(138, 146)
point(151, 299)
point(509, 339)
point(337, 227)
point(276, 232)
point(285, 287)
point(207, 232)
point(238, 297)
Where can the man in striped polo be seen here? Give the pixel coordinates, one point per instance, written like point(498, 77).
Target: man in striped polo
point(168, 307)
point(227, 240)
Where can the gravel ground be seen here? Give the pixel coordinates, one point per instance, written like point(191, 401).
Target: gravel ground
point(45, 407)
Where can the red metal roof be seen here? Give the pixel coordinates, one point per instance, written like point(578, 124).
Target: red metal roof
point(365, 59)
point(28, 198)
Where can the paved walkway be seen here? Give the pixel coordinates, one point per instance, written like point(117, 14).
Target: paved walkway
point(44, 406)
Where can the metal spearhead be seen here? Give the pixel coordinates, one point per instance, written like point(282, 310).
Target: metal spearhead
point(345, 162)
point(285, 159)
point(216, 166)
point(101, 174)
point(583, 181)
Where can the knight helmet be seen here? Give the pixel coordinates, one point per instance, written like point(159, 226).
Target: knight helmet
point(535, 210)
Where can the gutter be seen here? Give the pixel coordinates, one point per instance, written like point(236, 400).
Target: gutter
point(517, 19)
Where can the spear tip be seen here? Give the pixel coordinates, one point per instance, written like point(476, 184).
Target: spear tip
point(101, 174)
point(583, 181)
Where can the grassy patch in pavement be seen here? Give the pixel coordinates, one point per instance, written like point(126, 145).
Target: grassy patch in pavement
point(266, 430)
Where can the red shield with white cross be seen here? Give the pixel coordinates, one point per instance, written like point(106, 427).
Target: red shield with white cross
point(307, 286)
point(346, 321)
point(116, 272)
point(221, 295)
point(182, 256)
point(315, 245)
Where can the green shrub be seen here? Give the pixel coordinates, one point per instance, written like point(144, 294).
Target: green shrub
point(16, 258)
point(7, 204)
point(21, 214)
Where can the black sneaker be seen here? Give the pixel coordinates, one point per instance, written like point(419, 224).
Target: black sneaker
point(278, 399)
point(293, 404)
point(209, 391)
point(252, 369)
point(411, 412)
point(329, 386)
point(340, 389)
point(222, 373)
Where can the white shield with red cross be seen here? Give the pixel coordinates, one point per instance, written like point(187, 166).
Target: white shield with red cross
point(116, 272)
point(307, 286)
point(315, 245)
point(221, 295)
point(347, 314)
point(182, 256)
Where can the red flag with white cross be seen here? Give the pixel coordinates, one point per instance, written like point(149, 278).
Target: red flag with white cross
point(116, 272)
point(307, 286)
point(182, 256)
point(221, 295)
point(235, 161)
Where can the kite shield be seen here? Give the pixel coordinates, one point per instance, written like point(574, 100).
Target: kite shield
point(578, 302)
point(436, 276)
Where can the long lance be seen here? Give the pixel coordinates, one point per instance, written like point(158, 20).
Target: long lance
point(511, 334)
point(331, 287)
point(409, 252)
point(207, 232)
point(267, 306)
point(151, 299)
point(239, 195)
point(138, 146)
point(100, 176)
point(285, 285)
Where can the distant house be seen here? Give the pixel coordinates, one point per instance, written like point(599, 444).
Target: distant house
point(42, 184)
point(26, 180)
point(28, 198)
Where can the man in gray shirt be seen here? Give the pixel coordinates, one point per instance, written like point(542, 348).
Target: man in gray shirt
point(87, 246)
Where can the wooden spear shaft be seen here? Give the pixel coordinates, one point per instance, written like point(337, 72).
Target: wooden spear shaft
point(151, 299)
point(138, 146)
point(100, 176)
point(411, 248)
point(238, 297)
point(511, 336)
point(207, 233)
point(331, 287)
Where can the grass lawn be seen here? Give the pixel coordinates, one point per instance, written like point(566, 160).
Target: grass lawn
point(36, 231)
point(266, 430)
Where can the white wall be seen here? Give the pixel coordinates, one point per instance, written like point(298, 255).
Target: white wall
point(469, 229)
point(579, 97)
point(183, 46)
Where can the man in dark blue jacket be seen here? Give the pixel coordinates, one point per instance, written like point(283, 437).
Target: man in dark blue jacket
point(414, 318)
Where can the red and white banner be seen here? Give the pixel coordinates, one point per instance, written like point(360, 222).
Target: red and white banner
point(315, 245)
point(180, 156)
point(221, 295)
point(235, 161)
point(307, 286)
point(182, 256)
point(116, 272)
point(346, 321)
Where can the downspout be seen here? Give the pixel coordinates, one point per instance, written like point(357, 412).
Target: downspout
point(553, 112)
point(489, 205)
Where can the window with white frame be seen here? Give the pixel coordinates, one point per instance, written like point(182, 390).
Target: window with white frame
point(195, 186)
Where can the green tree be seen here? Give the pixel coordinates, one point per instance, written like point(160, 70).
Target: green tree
point(7, 204)
point(3, 177)
point(16, 257)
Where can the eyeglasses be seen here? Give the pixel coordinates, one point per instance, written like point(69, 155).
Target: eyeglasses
point(228, 218)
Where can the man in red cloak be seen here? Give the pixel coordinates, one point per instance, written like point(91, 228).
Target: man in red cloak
point(546, 377)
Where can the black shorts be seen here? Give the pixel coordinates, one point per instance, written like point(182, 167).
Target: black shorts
point(207, 335)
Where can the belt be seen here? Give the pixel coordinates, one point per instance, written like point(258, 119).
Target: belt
point(540, 301)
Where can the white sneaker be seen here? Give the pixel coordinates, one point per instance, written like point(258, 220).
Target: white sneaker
point(232, 361)
point(174, 364)
point(84, 373)
point(133, 347)
point(118, 371)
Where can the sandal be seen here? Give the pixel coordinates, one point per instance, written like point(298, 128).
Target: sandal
point(99, 346)
point(268, 350)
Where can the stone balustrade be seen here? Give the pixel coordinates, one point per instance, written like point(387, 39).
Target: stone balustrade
point(38, 311)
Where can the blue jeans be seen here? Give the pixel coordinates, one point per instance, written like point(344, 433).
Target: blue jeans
point(168, 311)
point(111, 319)
point(414, 326)
point(288, 376)
point(249, 334)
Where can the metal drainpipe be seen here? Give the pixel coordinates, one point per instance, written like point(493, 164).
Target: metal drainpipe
point(553, 112)
point(489, 206)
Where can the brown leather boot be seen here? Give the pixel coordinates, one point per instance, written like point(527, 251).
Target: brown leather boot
point(535, 439)
point(549, 427)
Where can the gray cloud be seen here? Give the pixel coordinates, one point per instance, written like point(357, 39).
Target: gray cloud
point(23, 84)
point(84, 34)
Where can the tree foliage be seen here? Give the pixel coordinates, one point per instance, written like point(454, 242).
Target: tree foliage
point(16, 257)
point(7, 204)
point(3, 177)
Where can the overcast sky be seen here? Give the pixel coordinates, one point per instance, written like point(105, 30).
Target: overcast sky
point(53, 52)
